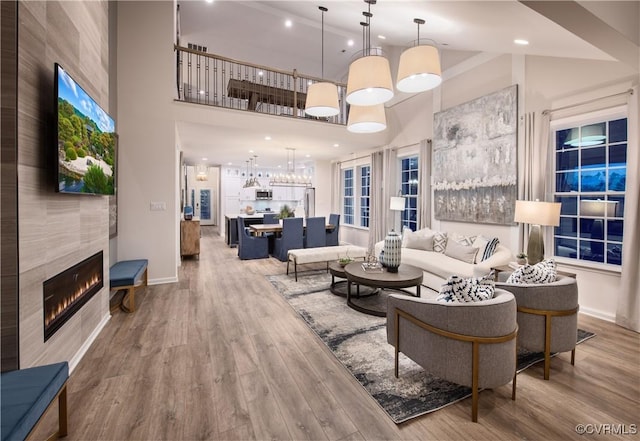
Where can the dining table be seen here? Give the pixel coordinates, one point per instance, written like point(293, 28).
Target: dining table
point(261, 229)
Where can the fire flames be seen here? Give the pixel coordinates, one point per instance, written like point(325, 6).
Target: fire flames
point(65, 303)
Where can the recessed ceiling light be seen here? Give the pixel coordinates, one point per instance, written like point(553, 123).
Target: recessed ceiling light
point(250, 151)
point(336, 145)
point(279, 166)
point(205, 159)
point(229, 163)
point(209, 1)
point(288, 23)
point(268, 138)
point(521, 42)
point(307, 156)
point(382, 37)
point(350, 43)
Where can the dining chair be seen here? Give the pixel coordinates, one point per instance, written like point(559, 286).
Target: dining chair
point(269, 219)
point(315, 234)
point(332, 236)
point(290, 239)
point(251, 247)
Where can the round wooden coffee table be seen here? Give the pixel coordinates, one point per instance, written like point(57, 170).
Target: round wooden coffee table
point(406, 277)
point(339, 287)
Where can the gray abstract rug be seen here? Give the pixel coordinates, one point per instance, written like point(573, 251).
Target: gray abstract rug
point(359, 342)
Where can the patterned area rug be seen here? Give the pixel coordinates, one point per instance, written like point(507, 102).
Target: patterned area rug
point(359, 342)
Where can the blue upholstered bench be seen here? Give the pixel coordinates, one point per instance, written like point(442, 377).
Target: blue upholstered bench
point(27, 394)
point(128, 274)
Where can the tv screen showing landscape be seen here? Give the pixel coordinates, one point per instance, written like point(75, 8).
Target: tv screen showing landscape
point(86, 140)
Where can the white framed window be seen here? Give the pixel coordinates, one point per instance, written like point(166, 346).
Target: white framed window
point(409, 187)
point(348, 198)
point(590, 169)
point(364, 173)
point(356, 190)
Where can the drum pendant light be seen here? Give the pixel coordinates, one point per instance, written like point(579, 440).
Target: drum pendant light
point(367, 119)
point(322, 97)
point(369, 82)
point(419, 67)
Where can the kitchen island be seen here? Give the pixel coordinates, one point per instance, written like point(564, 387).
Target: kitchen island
point(231, 225)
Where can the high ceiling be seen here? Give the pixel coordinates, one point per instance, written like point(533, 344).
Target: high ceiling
point(255, 31)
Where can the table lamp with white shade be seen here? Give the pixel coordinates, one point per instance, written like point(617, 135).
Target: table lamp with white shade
point(397, 204)
point(537, 214)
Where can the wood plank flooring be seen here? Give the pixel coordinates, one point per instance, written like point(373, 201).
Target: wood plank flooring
point(221, 356)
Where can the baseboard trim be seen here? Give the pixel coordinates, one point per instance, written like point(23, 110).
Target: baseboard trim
point(162, 281)
point(598, 314)
point(87, 344)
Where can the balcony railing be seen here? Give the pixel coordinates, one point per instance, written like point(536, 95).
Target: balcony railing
point(222, 82)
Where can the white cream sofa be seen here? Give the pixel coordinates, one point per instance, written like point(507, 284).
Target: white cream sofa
point(437, 267)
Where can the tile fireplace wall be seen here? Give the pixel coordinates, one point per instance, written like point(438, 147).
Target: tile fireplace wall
point(56, 231)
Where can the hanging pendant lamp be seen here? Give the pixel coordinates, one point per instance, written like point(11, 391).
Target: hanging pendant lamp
point(367, 119)
point(322, 97)
point(419, 67)
point(369, 82)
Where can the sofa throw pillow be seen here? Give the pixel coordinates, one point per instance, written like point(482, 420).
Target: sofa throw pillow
point(460, 252)
point(541, 272)
point(486, 247)
point(420, 242)
point(406, 232)
point(408, 235)
point(464, 240)
point(439, 242)
point(474, 289)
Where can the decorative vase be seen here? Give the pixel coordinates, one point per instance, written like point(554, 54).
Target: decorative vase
point(392, 251)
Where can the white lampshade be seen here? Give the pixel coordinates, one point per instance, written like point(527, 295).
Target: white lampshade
point(538, 213)
point(322, 100)
point(369, 81)
point(367, 119)
point(419, 69)
point(397, 203)
point(598, 208)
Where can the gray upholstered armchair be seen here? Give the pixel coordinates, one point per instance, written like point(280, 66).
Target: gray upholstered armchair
point(472, 344)
point(547, 316)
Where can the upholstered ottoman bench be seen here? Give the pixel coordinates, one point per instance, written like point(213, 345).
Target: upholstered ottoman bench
point(128, 274)
point(27, 394)
point(322, 254)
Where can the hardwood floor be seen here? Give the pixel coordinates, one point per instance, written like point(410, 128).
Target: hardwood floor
point(221, 355)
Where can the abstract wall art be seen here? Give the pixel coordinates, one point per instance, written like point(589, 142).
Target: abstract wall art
point(474, 164)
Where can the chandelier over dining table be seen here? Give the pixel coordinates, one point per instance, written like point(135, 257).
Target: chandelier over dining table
point(291, 178)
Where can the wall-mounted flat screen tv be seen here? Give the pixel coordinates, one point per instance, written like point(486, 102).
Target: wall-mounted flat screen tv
point(86, 140)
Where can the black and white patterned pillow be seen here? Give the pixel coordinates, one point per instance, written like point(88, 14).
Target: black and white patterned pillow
point(541, 272)
point(439, 242)
point(474, 289)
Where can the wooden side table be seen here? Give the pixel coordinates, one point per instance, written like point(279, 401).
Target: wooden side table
point(190, 238)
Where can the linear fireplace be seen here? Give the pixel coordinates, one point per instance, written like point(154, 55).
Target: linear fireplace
point(67, 292)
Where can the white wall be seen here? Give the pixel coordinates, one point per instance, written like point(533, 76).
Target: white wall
point(146, 125)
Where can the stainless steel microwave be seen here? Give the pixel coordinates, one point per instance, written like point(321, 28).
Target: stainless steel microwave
point(262, 194)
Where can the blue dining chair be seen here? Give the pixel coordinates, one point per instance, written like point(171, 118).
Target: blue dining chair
point(291, 238)
point(251, 247)
point(316, 233)
point(332, 236)
point(270, 218)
